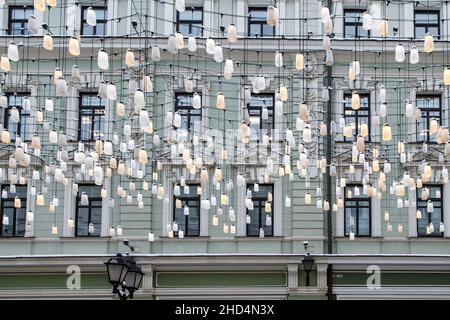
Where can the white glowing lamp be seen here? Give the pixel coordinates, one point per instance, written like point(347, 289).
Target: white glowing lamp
point(414, 55)
point(102, 60)
point(39, 5)
point(428, 43)
point(129, 58)
point(232, 33)
point(74, 46)
point(272, 16)
point(91, 17)
point(399, 53)
point(13, 52)
point(5, 66)
point(192, 43)
point(47, 42)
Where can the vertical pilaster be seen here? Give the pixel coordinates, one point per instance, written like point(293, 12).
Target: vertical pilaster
point(292, 276)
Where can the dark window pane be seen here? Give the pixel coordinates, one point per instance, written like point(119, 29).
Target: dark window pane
point(92, 122)
point(100, 28)
point(190, 21)
point(18, 19)
point(357, 212)
point(426, 21)
point(16, 225)
point(90, 213)
point(190, 224)
point(258, 214)
point(435, 217)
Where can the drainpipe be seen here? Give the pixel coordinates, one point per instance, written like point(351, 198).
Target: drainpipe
point(329, 83)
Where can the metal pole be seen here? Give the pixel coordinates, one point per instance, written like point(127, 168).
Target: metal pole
point(329, 84)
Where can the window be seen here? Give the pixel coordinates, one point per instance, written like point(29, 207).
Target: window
point(189, 223)
point(90, 212)
point(16, 216)
point(190, 22)
point(23, 128)
point(259, 218)
point(430, 105)
point(18, 19)
point(99, 29)
point(357, 211)
point(435, 217)
point(356, 118)
point(260, 111)
point(353, 24)
point(257, 23)
point(91, 122)
point(191, 119)
point(426, 21)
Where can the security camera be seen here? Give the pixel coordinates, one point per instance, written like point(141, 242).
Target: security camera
point(305, 244)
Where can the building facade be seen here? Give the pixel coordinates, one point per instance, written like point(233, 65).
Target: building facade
point(356, 218)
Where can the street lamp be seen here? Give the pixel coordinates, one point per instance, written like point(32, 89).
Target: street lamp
point(308, 263)
point(124, 275)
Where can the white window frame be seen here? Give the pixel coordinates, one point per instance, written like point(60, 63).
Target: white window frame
point(168, 182)
point(70, 206)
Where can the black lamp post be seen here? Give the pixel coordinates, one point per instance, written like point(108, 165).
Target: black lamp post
point(308, 263)
point(124, 275)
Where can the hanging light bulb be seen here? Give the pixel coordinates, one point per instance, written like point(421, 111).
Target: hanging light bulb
point(13, 52)
point(210, 46)
point(40, 200)
point(218, 53)
point(39, 5)
point(32, 25)
point(228, 69)
point(232, 33)
point(139, 99)
point(278, 59)
point(409, 109)
point(47, 42)
point(299, 61)
point(399, 53)
point(283, 95)
point(220, 101)
point(414, 55)
point(91, 17)
point(434, 126)
point(387, 133)
point(356, 102)
point(446, 76)
point(143, 158)
point(383, 28)
point(156, 53)
point(129, 58)
point(180, 5)
point(102, 60)
point(172, 45)
point(367, 21)
point(4, 64)
point(62, 88)
point(196, 101)
point(179, 40)
point(111, 91)
point(272, 16)
point(192, 43)
point(120, 109)
point(428, 43)
point(74, 46)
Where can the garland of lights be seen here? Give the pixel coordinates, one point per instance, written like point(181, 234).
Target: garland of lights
point(142, 136)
